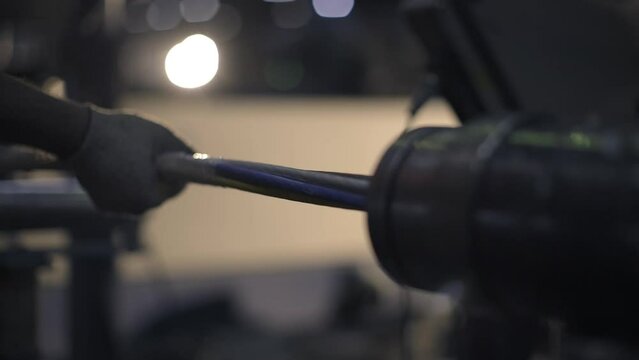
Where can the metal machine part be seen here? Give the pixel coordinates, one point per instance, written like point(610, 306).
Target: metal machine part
point(574, 59)
point(541, 217)
point(95, 240)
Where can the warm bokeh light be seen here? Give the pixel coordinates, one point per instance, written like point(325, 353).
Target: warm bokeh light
point(193, 62)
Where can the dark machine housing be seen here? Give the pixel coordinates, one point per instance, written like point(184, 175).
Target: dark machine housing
point(533, 202)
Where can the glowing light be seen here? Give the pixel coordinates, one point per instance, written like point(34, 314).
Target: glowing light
point(333, 8)
point(200, 156)
point(193, 62)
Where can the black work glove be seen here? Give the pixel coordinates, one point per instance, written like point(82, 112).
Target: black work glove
point(116, 163)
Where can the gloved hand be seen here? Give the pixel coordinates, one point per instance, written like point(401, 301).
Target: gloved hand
point(116, 163)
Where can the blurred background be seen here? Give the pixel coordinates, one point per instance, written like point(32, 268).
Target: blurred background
point(316, 84)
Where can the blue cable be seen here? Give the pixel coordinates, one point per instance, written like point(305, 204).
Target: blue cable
point(244, 174)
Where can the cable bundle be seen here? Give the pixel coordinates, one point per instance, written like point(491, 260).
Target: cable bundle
point(346, 191)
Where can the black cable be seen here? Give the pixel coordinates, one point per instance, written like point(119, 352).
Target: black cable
point(291, 189)
point(321, 188)
point(349, 182)
point(332, 189)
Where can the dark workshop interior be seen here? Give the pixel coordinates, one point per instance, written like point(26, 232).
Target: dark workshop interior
point(319, 179)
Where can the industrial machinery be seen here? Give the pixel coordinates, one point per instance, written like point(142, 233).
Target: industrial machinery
point(530, 205)
point(535, 218)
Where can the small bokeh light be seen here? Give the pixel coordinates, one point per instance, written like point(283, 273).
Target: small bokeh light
point(333, 8)
point(193, 62)
point(163, 15)
point(195, 11)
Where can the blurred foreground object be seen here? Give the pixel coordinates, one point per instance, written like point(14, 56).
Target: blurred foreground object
point(536, 219)
point(537, 216)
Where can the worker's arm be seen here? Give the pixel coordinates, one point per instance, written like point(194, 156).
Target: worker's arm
point(113, 154)
point(31, 117)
